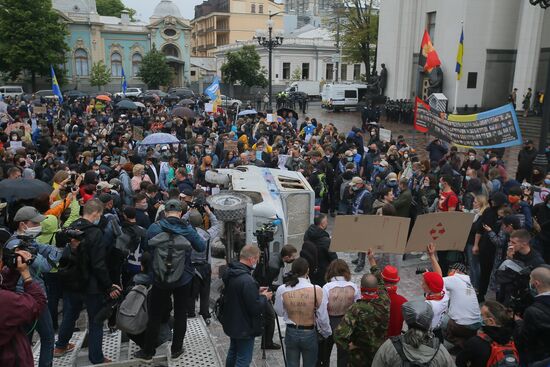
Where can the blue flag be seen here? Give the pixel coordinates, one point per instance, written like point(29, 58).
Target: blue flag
point(124, 83)
point(55, 86)
point(213, 91)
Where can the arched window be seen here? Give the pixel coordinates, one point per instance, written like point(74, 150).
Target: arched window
point(170, 50)
point(136, 63)
point(116, 64)
point(81, 62)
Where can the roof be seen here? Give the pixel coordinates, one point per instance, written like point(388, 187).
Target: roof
point(206, 63)
point(166, 8)
point(116, 21)
point(311, 31)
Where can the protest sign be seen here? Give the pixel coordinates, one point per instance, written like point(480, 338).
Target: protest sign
point(39, 110)
point(496, 128)
point(359, 233)
point(282, 161)
point(208, 107)
point(385, 135)
point(231, 146)
point(190, 168)
point(539, 194)
point(448, 230)
point(14, 145)
point(137, 133)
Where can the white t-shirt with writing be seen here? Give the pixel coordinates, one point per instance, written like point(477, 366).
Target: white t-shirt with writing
point(463, 305)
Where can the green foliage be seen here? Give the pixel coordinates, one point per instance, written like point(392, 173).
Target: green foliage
point(101, 75)
point(113, 8)
point(31, 38)
point(243, 67)
point(296, 75)
point(154, 71)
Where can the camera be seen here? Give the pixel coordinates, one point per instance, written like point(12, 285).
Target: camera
point(9, 255)
point(264, 234)
point(65, 235)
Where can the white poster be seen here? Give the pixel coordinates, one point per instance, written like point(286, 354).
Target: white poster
point(209, 107)
point(385, 135)
point(540, 194)
point(282, 161)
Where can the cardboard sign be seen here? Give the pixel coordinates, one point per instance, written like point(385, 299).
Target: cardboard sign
point(39, 110)
point(209, 107)
point(282, 161)
point(231, 146)
point(385, 135)
point(539, 195)
point(358, 233)
point(447, 230)
point(14, 145)
point(137, 133)
point(269, 117)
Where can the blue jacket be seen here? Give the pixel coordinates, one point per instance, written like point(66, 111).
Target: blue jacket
point(180, 227)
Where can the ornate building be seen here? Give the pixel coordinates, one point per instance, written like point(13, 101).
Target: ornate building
point(121, 43)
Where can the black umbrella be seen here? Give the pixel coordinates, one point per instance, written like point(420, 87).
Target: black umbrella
point(186, 102)
point(23, 188)
point(126, 104)
point(285, 111)
point(183, 112)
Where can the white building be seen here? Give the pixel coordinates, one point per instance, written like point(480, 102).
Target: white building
point(506, 45)
point(310, 50)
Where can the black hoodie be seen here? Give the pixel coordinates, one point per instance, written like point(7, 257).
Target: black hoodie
point(321, 239)
point(477, 351)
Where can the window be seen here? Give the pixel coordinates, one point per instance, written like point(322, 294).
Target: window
point(472, 81)
point(286, 70)
point(116, 64)
point(81, 62)
point(350, 94)
point(329, 74)
point(252, 8)
point(357, 72)
point(170, 50)
point(169, 32)
point(430, 26)
point(305, 71)
point(136, 63)
point(343, 72)
point(261, 9)
point(193, 73)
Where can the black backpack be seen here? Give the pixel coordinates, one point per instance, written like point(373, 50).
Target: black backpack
point(398, 345)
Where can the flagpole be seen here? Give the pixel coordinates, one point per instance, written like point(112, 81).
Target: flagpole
point(455, 111)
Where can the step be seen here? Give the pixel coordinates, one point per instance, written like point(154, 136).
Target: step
point(69, 359)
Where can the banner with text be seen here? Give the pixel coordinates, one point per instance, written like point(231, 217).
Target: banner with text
point(496, 128)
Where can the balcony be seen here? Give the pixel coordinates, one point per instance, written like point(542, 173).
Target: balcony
point(210, 46)
point(210, 29)
point(201, 48)
point(200, 32)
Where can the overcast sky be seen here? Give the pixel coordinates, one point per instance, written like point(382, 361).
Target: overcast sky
point(145, 8)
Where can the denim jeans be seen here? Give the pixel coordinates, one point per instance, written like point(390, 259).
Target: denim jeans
point(72, 305)
point(54, 291)
point(44, 328)
point(301, 342)
point(240, 352)
point(473, 262)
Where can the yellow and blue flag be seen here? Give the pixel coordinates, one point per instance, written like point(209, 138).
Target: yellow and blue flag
point(55, 86)
point(460, 56)
point(213, 92)
point(124, 82)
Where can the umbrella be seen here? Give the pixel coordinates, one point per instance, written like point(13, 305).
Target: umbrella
point(103, 97)
point(159, 138)
point(139, 104)
point(285, 111)
point(126, 104)
point(247, 112)
point(23, 188)
point(183, 112)
point(186, 102)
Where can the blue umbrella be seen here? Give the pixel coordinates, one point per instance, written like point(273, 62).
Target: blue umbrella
point(247, 112)
point(159, 138)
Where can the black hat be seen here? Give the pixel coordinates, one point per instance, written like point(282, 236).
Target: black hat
point(105, 198)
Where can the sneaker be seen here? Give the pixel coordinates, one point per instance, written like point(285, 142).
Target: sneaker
point(207, 321)
point(359, 268)
point(60, 352)
point(142, 356)
point(272, 346)
point(106, 360)
point(355, 262)
point(424, 257)
point(175, 355)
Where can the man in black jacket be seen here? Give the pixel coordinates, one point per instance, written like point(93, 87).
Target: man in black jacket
point(526, 157)
point(92, 295)
point(244, 305)
point(533, 336)
point(317, 234)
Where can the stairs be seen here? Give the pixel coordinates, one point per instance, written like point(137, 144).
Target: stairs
point(530, 128)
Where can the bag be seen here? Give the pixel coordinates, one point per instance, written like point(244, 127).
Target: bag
point(219, 305)
point(169, 257)
point(323, 186)
point(128, 240)
point(398, 345)
point(502, 355)
point(132, 315)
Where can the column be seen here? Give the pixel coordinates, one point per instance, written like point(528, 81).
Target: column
point(528, 50)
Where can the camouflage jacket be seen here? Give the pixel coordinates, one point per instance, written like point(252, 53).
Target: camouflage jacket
point(365, 325)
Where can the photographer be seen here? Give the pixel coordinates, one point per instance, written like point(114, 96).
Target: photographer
point(17, 309)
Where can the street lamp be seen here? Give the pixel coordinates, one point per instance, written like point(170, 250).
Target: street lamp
point(541, 161)
point(269, 43)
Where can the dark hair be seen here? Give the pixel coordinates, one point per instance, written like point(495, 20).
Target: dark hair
point(174, 193)
point(140, 196)
point(92, 206)
point(521, 234)
point(151, 188)
point(389, 210)
point(515, 191)
point(309, 252)
point(42, 203)
point(288, 250)
point(130, 212)
point(300, 268)
point(447, 179)
point(338, 268)
point(319, 218)
point(146, 262)
point(512, 220)
point(383, 192)
point(499, 312)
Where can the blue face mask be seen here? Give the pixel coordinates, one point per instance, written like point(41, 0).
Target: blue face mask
point(547, 181)
point(392, 183)
point(533, 290)
point(96, 222)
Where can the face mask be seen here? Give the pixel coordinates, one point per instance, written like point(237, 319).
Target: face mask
point(493, 164)
point(330, 157)
point(208, 151)
point(392, 183)
point(468, 178)
point(548, 205)
point(405, 156)
point(533, 290)
point(97, 172)
point(472, 158)
point(482, 322)
point(354, 151)
point(513, 199)
point(254, 266)
point(486, 156)
point(349, 159)
point(547, 181)
point(96, 222)
point(372, 133)
point(441, 186)
point(354, 188)
point(33, 232)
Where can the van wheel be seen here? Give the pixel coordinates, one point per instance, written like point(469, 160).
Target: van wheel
point(229, 206)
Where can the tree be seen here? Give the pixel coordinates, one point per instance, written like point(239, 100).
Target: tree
point(243, 67)
point(101, 75)
point(154, 71)
point(32, 38)
point(113, 8)
point(296, 75)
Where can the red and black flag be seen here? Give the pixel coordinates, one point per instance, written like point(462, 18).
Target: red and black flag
point(428, 56)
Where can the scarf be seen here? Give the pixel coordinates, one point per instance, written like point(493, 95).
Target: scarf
point(369, 293)
point(435, 297)
point(391, 289)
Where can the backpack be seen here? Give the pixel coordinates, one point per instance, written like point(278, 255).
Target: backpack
point(323, 187)
point(502, 355)
point(132, 315)
point(128, 240)
point(398, 345)
point(169, 257)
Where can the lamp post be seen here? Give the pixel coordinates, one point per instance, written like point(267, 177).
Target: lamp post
point(269, 43)
point(541, 161)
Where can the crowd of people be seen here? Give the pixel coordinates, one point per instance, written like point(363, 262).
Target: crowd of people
point(120, 215)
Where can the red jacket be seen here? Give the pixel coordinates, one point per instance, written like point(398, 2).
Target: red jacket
point(396, 316)
point(16, 311)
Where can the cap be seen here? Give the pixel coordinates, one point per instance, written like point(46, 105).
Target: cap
point(434, 281)
point(356, 181)
point(529, 141)
point(28, 213)
point(115, 182)
point(392, 176)
point(459, 267)
point(348, 153)
point(87, 154)
point(173, 206)
point(105, 198)
point(390, 274)
point(103, 185)
point(383, 163)
point(195, 218)
point(417, 314)
point(187, 192)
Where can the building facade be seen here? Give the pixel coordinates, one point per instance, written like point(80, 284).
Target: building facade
point(506, 46)
point(121, 43)
point(223, 22)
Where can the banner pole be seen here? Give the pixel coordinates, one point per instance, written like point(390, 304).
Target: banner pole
point(455, 111)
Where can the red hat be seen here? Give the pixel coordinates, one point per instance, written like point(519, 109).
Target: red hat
point(390, 274)
point(434, 281)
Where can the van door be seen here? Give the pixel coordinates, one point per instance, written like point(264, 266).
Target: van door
point(350, 97)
